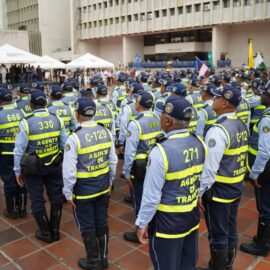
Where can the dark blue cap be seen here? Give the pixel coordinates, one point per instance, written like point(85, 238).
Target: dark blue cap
point(209, 88)
point(136, 88)
point(85, 107)
point(255, 83)
point(265, 88)
point(178, 89)
point(68, 87)
point(145, 99)
point(40, 86)
point(178, 108)
point(24, 88)
point(95, 81)
point(230, 93)
point(56, 91)
point(102, 90)
point(5, 94)
point(84, 93)
point(166, 82)
point(195, 82)
point(225, 77)
point(215, 79)
point(236, 85)
point(242, 75)
point(38, 97)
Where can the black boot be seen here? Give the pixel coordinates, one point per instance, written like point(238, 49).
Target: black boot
point(11, 210)
point(55, 218)
point(21, 202)
point(259, 246)
point(44, 232)
point(131, 237)
point(92, 262)
point(218, 259)
point(231, 254)
point(103, 239)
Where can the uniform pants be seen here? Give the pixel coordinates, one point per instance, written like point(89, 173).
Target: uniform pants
point(138, 172)
point(7, 175)
point(174, 254)
point(91, 215)
point(263, 194)
point(221, 221)
point(51, 179)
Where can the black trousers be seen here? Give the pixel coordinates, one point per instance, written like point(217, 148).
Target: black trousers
point(138, 172)
point(221, 221)
point(51, 179)
point(263, 194)
point(7, 175)
point(174, 254)
point(91, 215)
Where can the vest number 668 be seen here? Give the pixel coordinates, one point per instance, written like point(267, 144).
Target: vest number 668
point(191, 154)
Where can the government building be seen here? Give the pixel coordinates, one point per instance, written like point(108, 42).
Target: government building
point(162, 30)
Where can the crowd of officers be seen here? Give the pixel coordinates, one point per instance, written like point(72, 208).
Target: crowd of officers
point(188, 143)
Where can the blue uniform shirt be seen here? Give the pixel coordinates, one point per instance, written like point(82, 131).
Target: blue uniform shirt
point(202, 119)
point(153, 184)
point(214, 157)
point(21, 143)
point(132, 143)
point(124, 121)
point(263, 147)
point(71, 160)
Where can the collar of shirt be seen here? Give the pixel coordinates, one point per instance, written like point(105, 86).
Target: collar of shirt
point(209, 102)
point(175, 131)
point(43, 110)
point(145, 112)
point(10, 105)
point(226, 114)
point(57, 102)
point(87, 122)
point(266, 110)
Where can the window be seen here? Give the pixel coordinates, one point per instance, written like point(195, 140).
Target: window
point(105, 4)
point(206, 6)
point(197, 7)
point(188, 9)
point(95, 23)
point(236, 3)
point(100, 22)
point(216, 5)
point(180, 10)
point(149, 15)
point(89, 8)
point(105, 22)
point(226, 3)
point(111, 20)
point(116, 2)
point(117, 20)
point(157, 14)
point(89, 25)
point(99, 5)
point(94, 7)
point(123, 18)
point(164, 12)
point(172, 11)
point(129, 18)
point(111, 3)
point(247, 2)
point(123, 2)
point(136, 17)
point(142, 17)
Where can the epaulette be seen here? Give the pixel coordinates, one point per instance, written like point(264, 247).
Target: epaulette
point(160, 138)
point(76, 129)
point(138, 117)
point(101, 124)
point(27, 117)
point(222, 119)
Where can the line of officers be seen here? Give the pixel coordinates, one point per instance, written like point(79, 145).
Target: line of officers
point(185, 141)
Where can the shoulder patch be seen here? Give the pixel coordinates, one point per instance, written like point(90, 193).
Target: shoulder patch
point(67, 147)
point(128, 133)
point(212, 143)
point(266, 129)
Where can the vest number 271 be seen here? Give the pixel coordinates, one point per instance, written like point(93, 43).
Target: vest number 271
point(190, 154)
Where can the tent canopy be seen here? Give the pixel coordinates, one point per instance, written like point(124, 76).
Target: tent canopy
point(49, 63)
point(13, 55)
point(89, 61)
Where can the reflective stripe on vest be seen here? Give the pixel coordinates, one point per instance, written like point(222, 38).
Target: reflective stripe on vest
point(149, 128)
point(132, 110)
point(94, 142)
point(211, 117)
point(257, 113)
point(43, 131)
point(197, 101)
point(10, 118)
point(177, 213)
point(193, 121)
point(104, 115)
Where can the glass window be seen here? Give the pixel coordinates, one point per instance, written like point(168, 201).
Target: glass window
point(164, 12)
point(197, 7)
point(188, 9)
point(157, 14)
point(180, 10)
point(172, 11)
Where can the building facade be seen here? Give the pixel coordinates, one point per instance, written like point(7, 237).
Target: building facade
point(47, 23)
point(170, 29)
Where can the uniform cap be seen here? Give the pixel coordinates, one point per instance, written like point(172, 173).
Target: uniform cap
point(178, 108)
point(85, 107)
point(178, 89)
point(24, 88)
point(38, 97)
point(145, 99)
point(136, 88)
point(102, 90)
point(209, 88)
point(5, 94)
point(265, 88)
point(56, 91)
point(230, 93)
